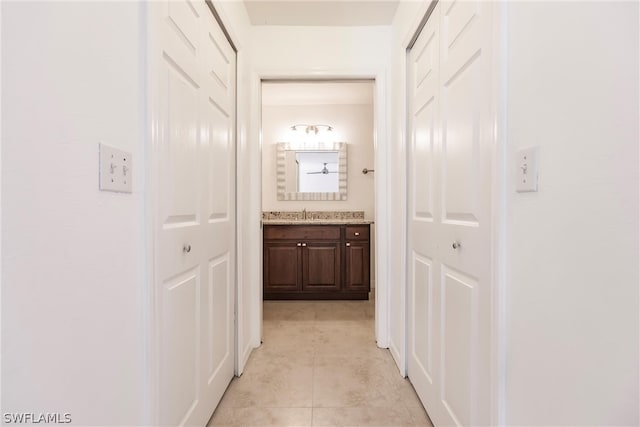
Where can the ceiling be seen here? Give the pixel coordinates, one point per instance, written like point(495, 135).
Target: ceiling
point(317, 93)
point(321, 13)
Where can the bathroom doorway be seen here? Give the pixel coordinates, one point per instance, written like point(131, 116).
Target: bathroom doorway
point(337, 116)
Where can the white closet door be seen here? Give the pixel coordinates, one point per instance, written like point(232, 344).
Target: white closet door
point(450, 155)
point(193, 172)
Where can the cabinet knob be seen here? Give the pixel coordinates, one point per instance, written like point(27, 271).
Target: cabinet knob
point(299, 244)
point(186, 249)
point(304, 244)
point(356, 233)
point(456, 245)
point(348, 244)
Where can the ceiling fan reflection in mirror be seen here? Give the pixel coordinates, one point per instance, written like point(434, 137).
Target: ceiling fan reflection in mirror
point(324, 171)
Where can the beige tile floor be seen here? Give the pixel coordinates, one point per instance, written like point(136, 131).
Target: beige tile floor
point(319, 365)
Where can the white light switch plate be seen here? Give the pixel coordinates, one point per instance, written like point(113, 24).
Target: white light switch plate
point(115, 169)
point(527, 170)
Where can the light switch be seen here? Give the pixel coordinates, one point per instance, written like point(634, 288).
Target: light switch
point(527, 170)
point(115, 169)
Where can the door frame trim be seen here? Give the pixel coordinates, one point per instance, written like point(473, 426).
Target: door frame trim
point(150, 315)
point(499, 191)
point(382, 147)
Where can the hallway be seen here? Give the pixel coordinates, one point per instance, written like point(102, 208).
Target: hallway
point(319, 365)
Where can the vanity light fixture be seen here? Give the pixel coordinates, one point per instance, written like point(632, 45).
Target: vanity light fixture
point(312, 128)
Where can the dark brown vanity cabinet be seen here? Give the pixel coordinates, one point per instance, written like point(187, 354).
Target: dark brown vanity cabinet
point(357, 258)
point(316, 262)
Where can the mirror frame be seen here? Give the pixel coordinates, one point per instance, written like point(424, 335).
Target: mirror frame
point(283, 147)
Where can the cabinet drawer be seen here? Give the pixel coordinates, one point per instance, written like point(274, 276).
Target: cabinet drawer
point(302, 232)
point(357, 232)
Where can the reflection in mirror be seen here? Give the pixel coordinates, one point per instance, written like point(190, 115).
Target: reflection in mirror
point(315, 171)
point(312, 172)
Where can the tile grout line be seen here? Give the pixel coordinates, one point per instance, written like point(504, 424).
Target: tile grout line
point(313, 361)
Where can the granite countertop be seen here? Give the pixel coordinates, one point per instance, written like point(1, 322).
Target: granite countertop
point(354, 221)
point(305, 217)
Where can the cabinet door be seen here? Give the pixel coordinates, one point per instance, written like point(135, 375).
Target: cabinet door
point(321, 266)
point(357, 260)
point(281, 267)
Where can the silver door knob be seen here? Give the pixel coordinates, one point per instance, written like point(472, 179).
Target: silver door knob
point(357, 234)
point(304, 244)
point(299, 244)
point(456, 244)
point(348, 244)
point(186, 249)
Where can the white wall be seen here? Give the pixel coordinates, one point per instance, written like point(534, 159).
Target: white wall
point(572, 277)
point(320, 50)
point(353, 124)
point(73, 257)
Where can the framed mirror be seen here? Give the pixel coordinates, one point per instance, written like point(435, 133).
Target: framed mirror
point(311, 171)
